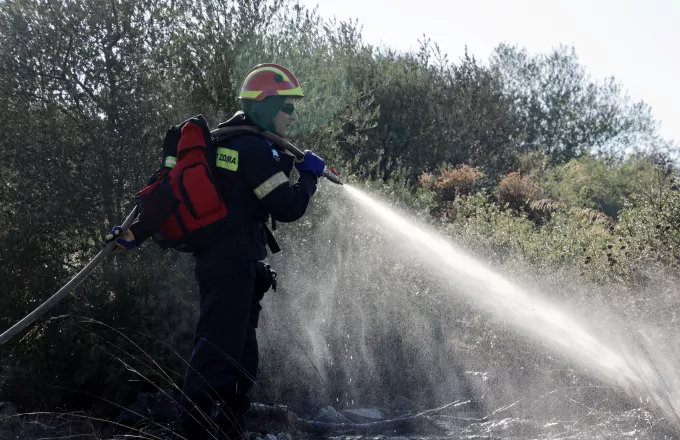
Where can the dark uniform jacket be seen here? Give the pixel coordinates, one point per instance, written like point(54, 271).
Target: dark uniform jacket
point(253, 178)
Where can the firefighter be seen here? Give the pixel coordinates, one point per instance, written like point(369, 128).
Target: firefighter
point(253, 179)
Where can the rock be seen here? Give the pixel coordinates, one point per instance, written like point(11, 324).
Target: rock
point(270, 437)
point(7, 409)
point(363, 415)
point(330, 415)
point(10, 427)
point(162, 405)
point(284, 436)
point(401, 405)
point(269, 418)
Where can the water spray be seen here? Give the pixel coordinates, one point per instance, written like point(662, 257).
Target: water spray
point(532, 313)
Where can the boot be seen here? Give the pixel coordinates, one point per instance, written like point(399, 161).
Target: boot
point(231, 423)
point(196, 427)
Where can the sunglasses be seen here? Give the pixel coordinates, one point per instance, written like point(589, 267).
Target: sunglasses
point(288, 108)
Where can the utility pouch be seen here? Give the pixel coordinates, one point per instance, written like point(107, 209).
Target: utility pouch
point(265, 278)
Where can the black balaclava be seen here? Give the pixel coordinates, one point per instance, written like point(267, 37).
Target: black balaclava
point(262, 113)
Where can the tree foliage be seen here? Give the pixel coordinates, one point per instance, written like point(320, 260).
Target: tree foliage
point(563, 112)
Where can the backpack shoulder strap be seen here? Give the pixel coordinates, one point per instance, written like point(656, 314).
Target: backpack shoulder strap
point(223, 134)
point(239, 125)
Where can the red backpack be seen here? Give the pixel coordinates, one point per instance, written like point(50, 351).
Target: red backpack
point(181, 205)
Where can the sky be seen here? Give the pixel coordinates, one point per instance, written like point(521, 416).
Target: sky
point(636, 41)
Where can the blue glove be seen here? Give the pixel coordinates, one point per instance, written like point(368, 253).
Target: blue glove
point(311, 163)
point(124, 243)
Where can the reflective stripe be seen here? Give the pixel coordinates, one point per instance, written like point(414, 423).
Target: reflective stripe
point(292, 92)
point(270, 185)
point(227, 159)
point(250, 94)
point(170, 162)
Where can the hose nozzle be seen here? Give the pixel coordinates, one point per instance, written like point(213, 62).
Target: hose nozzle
point(331, 174)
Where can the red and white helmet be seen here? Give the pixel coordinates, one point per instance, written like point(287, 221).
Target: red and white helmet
point(266, 80)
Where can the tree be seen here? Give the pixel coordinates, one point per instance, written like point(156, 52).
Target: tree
point(416, 111)
point(563, 112)
point(87, 89)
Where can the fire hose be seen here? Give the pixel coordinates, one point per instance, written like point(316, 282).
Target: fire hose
point(72, 284)
point(109, 247)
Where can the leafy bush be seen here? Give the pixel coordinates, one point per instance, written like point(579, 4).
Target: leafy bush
point(457, 181)
point(517, 191)
point(451, 182)
point(651, 221)
point(598, 184)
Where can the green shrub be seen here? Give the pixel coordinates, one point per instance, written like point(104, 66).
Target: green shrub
point(651, 222)
point(596, 184)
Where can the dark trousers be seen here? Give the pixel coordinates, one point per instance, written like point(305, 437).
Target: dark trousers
point(223, 365)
